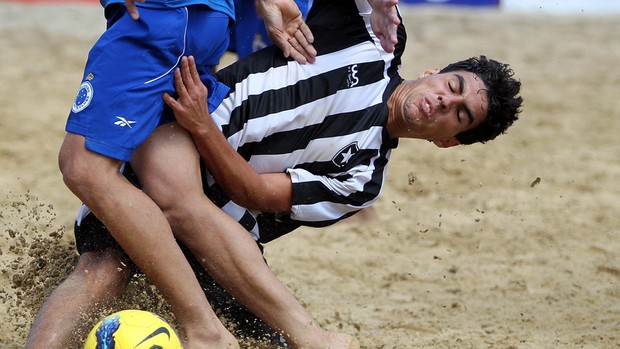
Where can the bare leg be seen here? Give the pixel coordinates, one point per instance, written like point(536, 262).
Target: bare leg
point(141, 229)
point(168, 159)
point(97, 278)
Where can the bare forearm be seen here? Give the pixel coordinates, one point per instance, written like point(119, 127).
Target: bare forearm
point(235, 175)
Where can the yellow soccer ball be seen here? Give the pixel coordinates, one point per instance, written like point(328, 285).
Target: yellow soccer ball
point(132, 329)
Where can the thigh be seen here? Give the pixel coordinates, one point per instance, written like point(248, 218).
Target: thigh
point(167, 165)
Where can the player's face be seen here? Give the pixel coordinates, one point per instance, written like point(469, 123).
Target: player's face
point(439, 106)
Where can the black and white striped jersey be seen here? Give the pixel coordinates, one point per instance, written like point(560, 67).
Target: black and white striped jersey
point(323, 123)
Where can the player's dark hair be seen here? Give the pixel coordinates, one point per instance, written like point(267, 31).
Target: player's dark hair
point(502, 89)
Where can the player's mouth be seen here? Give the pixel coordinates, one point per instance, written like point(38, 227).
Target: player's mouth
point(426, 107)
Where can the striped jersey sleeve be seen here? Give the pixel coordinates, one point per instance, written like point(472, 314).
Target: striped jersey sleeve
point(323, 123)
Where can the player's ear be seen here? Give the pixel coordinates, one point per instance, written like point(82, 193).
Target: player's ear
point(446, 143)
point(428, 72)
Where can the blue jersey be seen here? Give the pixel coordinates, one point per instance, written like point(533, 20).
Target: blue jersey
point(225, 6)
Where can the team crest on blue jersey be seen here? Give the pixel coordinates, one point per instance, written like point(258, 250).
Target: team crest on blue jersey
point(342, 157)
point(84, 96)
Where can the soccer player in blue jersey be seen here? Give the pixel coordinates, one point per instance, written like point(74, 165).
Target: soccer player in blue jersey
point(118, 106)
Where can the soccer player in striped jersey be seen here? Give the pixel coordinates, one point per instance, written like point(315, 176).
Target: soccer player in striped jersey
point(299, 145)
point(306, 145)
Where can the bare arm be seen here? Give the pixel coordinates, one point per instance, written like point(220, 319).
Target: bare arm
point(269, 192)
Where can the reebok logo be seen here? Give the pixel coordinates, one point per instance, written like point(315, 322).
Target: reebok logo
point(122, 122)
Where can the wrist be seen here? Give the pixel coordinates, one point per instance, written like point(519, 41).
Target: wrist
point(201, 131)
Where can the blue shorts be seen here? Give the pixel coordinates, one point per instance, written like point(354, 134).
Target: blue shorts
point(119, 102)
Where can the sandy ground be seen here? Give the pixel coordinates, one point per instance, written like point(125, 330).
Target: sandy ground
point(513, 244)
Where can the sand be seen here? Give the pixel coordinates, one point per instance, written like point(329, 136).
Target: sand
point(512, 244)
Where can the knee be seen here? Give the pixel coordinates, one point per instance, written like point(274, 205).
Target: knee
point(82, 170)
point(175, 200)
point(184, 215)
point(71, 161)
point(102, 274)
point(74, 173)
point(177, 215)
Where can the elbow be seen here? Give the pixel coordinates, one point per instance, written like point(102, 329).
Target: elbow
point(261, 201)
point(243, 198)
